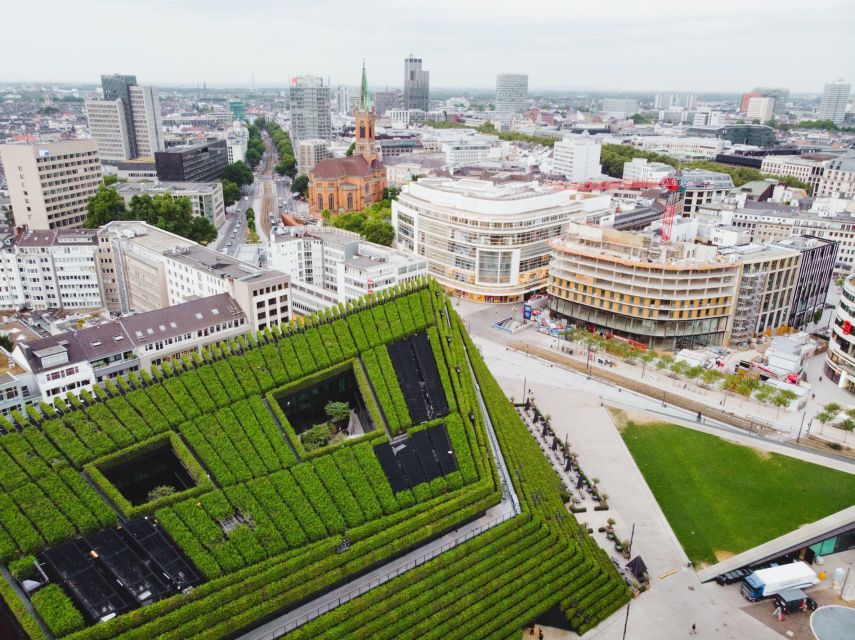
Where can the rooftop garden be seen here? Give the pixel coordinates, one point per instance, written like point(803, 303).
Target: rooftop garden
point(274, 466)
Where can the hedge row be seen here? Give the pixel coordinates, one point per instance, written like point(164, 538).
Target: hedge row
point(57, 610)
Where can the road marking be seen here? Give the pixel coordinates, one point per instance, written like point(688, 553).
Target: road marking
point(669, 573)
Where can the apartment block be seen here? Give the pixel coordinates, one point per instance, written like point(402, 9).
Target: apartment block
point(577, 158)
point(329, 266)
point(807, 170)
point(50, 183)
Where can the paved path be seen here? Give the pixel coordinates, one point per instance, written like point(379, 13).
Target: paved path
point(676, 600)
point(506, 509)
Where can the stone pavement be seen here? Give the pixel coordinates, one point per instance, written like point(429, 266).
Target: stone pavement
point(676, 599)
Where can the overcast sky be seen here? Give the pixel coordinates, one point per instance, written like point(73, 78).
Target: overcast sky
point(632, 45)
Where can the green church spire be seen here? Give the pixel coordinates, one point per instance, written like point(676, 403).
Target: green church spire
point(364, 97)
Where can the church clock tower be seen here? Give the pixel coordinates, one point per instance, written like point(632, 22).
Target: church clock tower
point(365, 117)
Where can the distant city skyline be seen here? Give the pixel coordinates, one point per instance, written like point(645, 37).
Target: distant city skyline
point(616, 45)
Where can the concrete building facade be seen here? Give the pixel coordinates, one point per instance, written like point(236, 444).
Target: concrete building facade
point(416, 85)
point(50, 183)
point(577, 158)
point(511, 93)
point(485, 241)
point(201, 161)
point(310, 109)
point(835, 97)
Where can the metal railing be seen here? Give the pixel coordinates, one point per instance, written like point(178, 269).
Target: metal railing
point(333, 603)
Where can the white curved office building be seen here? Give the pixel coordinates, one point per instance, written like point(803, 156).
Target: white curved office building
point(485, 240)
point(840, 357)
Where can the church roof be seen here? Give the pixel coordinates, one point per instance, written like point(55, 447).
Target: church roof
point(355, 165)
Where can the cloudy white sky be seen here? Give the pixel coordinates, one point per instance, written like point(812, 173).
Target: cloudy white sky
point(632, 45)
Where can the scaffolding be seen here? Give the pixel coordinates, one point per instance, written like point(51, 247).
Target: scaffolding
point(746, 312)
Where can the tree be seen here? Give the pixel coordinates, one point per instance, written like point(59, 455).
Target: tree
point(765, 393)
point(172, 214)
point(287, 166)
point(679, 367)
point(105, 206)
point(711, 376)
point(847, 425)
point(108, 180)
point(316, 437)
point(664, 362)
point(337, 411)
point(350, 149)
point(231, 192)
point(238, 173)
point(202, 230)
point(693, 373)
point(160, 491)
point(300, 185)
point(6, 343)
point(379, 232)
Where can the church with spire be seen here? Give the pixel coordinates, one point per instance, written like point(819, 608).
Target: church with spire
point(340, 185)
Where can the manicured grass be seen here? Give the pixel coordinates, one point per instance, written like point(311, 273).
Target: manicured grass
point(723, 498)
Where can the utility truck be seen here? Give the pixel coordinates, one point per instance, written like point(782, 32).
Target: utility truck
point(765, 583)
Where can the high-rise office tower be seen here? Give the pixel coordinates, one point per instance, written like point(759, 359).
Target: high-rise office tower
point(387, 101)
point(310, 109)
point(834, 99)
point(50, 183)
point(416, 84)
point(511, 92)
point(138, 133)
point(342, 100)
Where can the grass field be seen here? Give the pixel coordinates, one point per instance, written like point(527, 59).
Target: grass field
point(723, 498)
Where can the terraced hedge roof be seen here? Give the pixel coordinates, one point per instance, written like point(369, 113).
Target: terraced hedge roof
point(270, 524)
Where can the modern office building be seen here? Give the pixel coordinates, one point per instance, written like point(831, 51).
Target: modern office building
point(756, 135)
point(127, 123)
point(236, 108)
point(672, 101)
point(466, 151)
point(310, 109)
point(50, 183)
point(202, 161)
point(683, 147)
point(760, 108)
point(511, 93)
point(808, 170)
point(416, 84)
point(108, 127)
point(664, 296)
point(77, 360)
point(486, 241)
point(206, 198)
point(840, 358)
point(343, 100)
point(577, 158)
point(835, 97)
point(641, 170)
point(620, 107)
point(780, 95)
point(816, 270)
point(838, 179)
point(237, 142)
point(387, 101)
point(311, 152)
point(327, 266)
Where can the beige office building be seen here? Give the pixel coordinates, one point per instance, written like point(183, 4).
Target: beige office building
point(109, 129)
point(50, 183)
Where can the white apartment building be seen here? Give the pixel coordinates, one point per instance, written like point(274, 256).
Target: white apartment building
point(641, 170)
point(577, 158)
point(486, 241)
point(839, 178)
point(805, 169)
point(310, 109)
point(329, 266)
point(109, 129)
point(237, 142)
point(153, 269)
point(51, 269)
point(311, 152)
point(50, 183)
point(760, 108)
point(78, 360)
point(835, 97)
point(690, 148)
point(206, 198)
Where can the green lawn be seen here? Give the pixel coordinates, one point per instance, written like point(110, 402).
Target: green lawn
point(723, 498)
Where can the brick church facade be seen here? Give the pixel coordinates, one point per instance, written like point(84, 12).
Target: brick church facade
point(339, 185)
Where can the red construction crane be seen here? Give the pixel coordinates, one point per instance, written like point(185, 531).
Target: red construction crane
point(672, 184)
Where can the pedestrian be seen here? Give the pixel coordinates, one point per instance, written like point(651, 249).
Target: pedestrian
point(694, 629)
point(531, 631)
point(540, 634)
